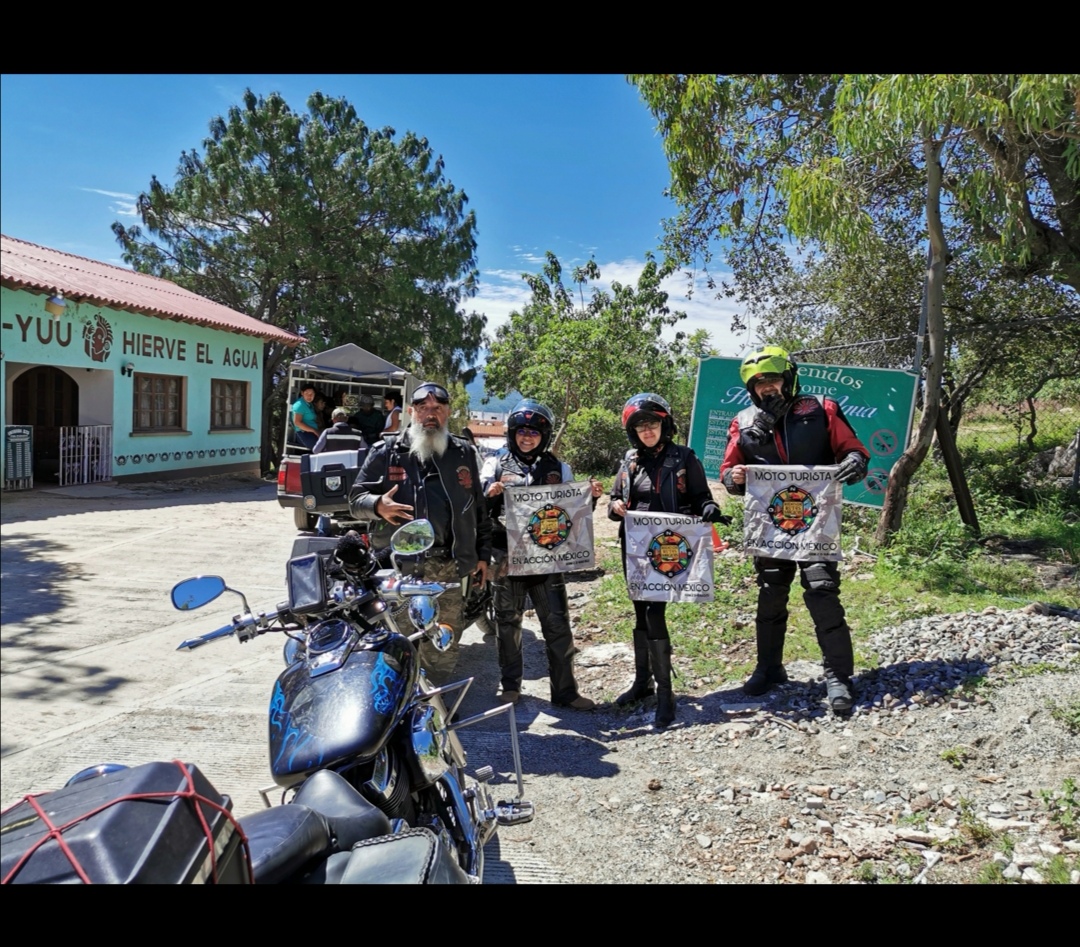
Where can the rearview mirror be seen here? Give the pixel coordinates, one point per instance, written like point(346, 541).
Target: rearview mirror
point(197, 592)
point(413, 538)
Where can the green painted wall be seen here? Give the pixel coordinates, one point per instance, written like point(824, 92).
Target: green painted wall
point(92, 344)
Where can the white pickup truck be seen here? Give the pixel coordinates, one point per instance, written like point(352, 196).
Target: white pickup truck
point(313, 486)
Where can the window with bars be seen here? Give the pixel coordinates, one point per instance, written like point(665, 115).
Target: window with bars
point(228, 404)
point(158, 404)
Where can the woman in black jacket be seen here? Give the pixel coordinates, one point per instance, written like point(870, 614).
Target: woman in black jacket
point(659, 476)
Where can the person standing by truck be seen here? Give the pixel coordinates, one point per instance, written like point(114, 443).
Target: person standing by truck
point(305, 420)
point(392, 403)
point(367, 420)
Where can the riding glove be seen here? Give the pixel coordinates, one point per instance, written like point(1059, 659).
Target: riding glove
point(852, 469)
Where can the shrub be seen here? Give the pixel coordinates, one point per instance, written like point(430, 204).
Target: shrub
point(594, 442)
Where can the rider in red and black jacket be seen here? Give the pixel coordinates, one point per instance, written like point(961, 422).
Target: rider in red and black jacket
point(784, 427)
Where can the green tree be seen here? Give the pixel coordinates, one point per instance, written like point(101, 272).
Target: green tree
point(998, 329)
point(585, 348)
point(316, 223)
point(756, 159)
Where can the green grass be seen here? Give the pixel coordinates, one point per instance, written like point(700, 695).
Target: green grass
point(1068, 715)
point(1057, 870)
point(956, 756)
point(1064, 807)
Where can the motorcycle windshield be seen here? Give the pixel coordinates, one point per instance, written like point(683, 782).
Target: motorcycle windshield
point(345, 716)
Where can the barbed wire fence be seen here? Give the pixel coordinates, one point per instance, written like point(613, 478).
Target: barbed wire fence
point(1034, 438)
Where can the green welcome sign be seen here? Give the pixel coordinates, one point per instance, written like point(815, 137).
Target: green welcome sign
point(879, 403)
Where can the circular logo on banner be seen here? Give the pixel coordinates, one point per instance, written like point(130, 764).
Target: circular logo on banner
point(549, 527)
point(792, 510)
point(669, 553)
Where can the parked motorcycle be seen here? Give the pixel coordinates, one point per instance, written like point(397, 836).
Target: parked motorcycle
point(353, 698)
point(357, 734)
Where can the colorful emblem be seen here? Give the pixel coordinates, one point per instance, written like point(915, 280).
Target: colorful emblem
point(669, 553)
point(464, 477)
point(549, 527)
point(396, 474)
point(792, 510)
point(804, 406)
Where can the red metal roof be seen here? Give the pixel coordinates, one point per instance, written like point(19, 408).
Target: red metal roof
point(27, 265)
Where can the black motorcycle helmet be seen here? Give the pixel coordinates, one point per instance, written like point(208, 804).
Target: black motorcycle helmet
point(530, 413)
point(648, 407)
point(771, 360)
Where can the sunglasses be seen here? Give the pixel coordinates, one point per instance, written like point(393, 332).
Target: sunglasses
point(439, 393)
point(528, 432)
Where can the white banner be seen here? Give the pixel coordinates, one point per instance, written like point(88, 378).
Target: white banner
point(549, 528)
point(669, 558)
point(793, 512)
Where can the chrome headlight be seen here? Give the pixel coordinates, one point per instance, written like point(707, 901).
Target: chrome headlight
point(423, 611)
point(441, 637)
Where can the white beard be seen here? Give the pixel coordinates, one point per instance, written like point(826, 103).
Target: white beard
point(426, 443)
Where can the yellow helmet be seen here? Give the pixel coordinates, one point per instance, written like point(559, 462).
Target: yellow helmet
point(771, 360)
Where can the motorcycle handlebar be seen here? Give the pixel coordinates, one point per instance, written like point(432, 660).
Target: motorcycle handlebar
point(245, 626)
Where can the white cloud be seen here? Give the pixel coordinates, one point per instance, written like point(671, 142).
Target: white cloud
point(123, 205)
point(98, 190)
point(504, 291)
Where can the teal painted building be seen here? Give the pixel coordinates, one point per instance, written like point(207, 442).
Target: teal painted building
point(123, 376)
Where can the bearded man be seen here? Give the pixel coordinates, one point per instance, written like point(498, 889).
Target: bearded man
point(428, 473)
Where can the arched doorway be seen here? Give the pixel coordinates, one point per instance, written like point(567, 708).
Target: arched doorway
point(48, 398)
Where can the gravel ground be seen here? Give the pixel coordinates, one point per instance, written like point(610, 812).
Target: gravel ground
point(939, 775)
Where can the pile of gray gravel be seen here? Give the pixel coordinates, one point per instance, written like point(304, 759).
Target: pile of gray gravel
point(954, 766)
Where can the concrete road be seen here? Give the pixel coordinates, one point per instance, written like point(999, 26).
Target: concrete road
point(89, 668)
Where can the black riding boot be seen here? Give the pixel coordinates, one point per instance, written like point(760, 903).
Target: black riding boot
point(643, 685)
point(660, 654)
point(774, 578)
point(770, 658)
point(838, 657)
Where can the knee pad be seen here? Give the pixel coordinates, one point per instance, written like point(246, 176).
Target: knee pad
point(821, 577)
point(774, 573)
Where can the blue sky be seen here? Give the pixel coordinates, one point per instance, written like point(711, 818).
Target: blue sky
point(570, 164)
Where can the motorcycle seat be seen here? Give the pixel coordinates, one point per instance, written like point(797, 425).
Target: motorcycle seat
point(282, 840)
point(349, 816)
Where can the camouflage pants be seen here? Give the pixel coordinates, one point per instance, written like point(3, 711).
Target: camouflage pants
point(439, 665)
